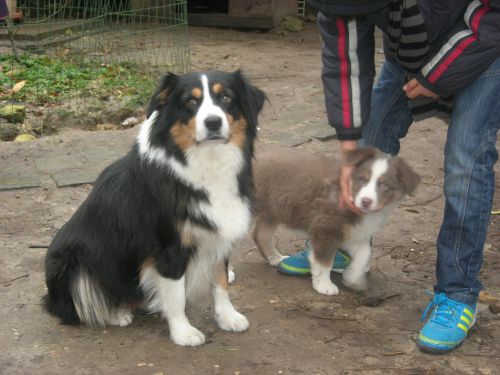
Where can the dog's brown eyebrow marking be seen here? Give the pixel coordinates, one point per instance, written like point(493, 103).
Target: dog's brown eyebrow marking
point(196, 92)
point(217, 88)
point(163, 95)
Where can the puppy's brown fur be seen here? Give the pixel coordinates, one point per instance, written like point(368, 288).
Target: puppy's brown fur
point(301, 191)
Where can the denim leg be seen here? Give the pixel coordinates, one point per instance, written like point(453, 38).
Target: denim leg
point(470, 154)
point(390, 115)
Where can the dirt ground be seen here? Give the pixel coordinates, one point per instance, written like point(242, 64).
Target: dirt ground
point(293, 330)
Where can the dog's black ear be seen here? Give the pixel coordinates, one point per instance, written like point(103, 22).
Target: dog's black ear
point(162, 93)
point(252, 98)
point(407, 176)
point(358, 156)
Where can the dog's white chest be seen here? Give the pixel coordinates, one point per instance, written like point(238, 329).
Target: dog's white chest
point(368, 226)
point(215, 169)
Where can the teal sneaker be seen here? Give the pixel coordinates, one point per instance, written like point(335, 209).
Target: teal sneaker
point(298, 264)
point(447, 326)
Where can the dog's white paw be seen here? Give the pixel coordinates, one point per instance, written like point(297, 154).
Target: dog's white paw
point(354, 281)
point(276, 259)
point(326, 287)
point(122, 318)
point(231, 276)
point(232, 321)
point(186, 335)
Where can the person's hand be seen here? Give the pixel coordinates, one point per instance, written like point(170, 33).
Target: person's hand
point(413, 88)
point(345, 197)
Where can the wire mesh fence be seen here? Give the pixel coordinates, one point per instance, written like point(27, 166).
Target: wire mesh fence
point(75, 57)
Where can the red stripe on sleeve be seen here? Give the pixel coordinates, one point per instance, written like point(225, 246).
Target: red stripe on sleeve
point(474, 24)
point(344, 71)
point(477, 17)
point(451, 57)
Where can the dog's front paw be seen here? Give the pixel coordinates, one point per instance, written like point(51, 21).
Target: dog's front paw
point(231, 276)
point(354, 281)
point(326, 287)
point(232, 321)
point(276, 259)
point(186, 335)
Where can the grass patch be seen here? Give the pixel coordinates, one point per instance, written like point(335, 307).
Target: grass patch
point(53, 79)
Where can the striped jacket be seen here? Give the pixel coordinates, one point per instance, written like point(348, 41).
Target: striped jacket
point(463, 40)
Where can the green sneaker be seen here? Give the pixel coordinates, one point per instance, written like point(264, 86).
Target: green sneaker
point(447, 326)
point(298, 264)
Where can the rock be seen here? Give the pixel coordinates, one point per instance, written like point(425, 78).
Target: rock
point(8, 131)
point(495, 308)
point(290, 23)
point(24, 138)
point(108, 127)
point(13, 113)
point(130, 122)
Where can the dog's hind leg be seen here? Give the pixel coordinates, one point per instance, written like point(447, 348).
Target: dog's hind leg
point(121, 317)
point(226, 315)
point(169, 296)
point(263, 236)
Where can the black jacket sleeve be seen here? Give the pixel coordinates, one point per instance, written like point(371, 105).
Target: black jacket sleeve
point(348, 72)
point(470, 48)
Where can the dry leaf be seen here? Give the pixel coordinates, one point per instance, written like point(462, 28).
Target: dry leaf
point(18, 86)
point(486, 297)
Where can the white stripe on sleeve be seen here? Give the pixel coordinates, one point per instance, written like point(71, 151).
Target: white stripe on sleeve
point(354, 77)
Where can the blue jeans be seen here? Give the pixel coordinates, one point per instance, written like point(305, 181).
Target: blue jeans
point(470, 154)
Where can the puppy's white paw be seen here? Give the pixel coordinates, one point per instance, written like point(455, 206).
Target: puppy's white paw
point(354, 280)
point(276, 259)
point(326, 287)
point(122, 318)
point(186, 335)
point(232, 321)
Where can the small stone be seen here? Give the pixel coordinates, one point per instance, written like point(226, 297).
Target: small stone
point(24, 138)
point(495, 308)
point(107, 127)
point(290, 23)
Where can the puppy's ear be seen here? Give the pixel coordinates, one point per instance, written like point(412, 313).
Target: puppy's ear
point(252, 98)
point(407, 176)
point(162, 93)
point(358, 156)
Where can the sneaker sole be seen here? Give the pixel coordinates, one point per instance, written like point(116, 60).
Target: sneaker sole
point(296, 271)
point(431, 350)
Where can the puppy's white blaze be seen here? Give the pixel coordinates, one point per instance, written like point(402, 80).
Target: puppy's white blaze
point(379, 167)
point(207, 109)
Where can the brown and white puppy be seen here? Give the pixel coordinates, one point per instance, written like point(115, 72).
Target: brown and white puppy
point(301, 191)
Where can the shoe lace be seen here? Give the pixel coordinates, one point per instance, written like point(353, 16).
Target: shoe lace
point(446, 311)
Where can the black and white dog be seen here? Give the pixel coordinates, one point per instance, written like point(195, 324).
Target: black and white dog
point(161, 221)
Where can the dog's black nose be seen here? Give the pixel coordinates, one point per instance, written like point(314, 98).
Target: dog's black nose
point(213, 123)
point(366, 202)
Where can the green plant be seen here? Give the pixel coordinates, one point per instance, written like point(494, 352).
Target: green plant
point(52, 79)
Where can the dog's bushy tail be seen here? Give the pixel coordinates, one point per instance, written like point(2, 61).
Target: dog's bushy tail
point(58, 301)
